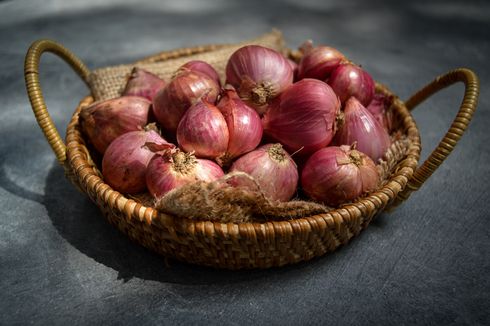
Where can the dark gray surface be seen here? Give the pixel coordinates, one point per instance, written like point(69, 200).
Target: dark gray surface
point(425, 263)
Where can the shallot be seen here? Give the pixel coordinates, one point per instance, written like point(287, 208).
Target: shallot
point(336, 175)
point(125, 160)
point(170, 104)
point(303, 118)
point(350, 80)
point(175, 168)
point(202, 67)
point(258, 74)
point(360, 127)
point(318, 62)
point(143, 83)
point(272, 168)
point(104, 121)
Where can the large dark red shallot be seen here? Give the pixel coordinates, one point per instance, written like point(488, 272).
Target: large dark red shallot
point(272, 168)
point(303, 118)
point(336, 175)
point(104, 121)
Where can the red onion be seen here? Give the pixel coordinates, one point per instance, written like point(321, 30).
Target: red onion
point(174, 170)
point(258, 74)
point(350, 80)
point(335, 175)
point(244, 125)
point(380, 109)
point(318, 62)
point(143, 83)
point(360, 127)
point(125, 160)
point(104, 121)
point(303, 117)
point(170, 104)
point(203, 130)
point(202, 67)
point(272, 168)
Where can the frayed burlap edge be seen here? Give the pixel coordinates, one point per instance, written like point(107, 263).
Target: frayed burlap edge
point(107, 83)
point(218, 201)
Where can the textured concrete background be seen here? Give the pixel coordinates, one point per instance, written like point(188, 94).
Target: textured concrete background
point(425, 263)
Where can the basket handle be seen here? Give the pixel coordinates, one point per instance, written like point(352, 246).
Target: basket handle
point(457, 128)
point(31, 74)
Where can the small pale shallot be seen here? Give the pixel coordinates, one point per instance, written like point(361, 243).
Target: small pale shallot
point(244, 125)
point(303, 118)
point(203, 131)
point(350, 80)
point(102, 122)
point(186, 88)
point(143, 83)
point(336, 175)
point(272, 168)
point(125, 160)
point(360, 127)
point(175, 168)
point(258, 74)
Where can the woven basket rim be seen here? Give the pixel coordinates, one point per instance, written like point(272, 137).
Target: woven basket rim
point(79, 161)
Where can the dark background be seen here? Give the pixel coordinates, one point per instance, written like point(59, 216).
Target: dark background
point(425, 263)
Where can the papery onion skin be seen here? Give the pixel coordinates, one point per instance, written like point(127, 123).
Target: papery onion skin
point(380, 109)
point(336, 175)
point(186, 88)
point(360, 127)
point(102, 122)
point(319, 62)
point(202, 67)
point(125, 160)
point(273, 169)
point(143, 83)
point(168, 172)
point(258, 74)
point(294, 66)
point(350, 80)
point(203, 130)
point(303, 118)
point(244, 125)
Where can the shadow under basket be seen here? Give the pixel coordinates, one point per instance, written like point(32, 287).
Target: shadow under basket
point(248, 244)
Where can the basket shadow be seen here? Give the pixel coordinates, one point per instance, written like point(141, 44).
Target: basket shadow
point(80, 223)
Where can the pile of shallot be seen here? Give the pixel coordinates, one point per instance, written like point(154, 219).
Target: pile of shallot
point(271, 116)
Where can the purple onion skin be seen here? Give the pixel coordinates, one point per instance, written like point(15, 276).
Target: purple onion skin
point(360, 127)
point(203, 130)
point(125, 161)
point(162, 175)
point(350, 80)
point(303, 118)
point(186, 88)
point(278, 179)
point(204, 68)
point(258, 74)
point(244, 125)
point(143, 83)
point(334, 177)
point(379, 108)
point(102, 122)
point(319, 62)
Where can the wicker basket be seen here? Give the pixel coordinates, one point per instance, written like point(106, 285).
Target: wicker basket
point(244, 245)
